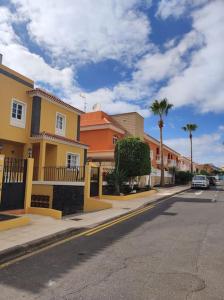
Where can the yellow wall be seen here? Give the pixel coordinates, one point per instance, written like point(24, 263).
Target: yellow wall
point(62, 154)
point(43, 190)
point(92, 204)
point(48, 119)
point(51, 155)
point(56, 214)
point(11, 149)
point(9, 88)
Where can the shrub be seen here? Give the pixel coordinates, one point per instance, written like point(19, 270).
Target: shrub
point(116, 179)
point(182, 177)
point(133, 156)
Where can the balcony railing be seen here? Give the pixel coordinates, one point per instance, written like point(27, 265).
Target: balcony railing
point(64, 174)
point(172, 163)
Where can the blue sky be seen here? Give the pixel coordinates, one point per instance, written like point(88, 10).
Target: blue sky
point(123, 54)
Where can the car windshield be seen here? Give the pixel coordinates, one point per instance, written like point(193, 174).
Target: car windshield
point(199, 177)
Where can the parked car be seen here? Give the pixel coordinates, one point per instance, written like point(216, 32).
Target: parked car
point(212, 180)
point(200, 181)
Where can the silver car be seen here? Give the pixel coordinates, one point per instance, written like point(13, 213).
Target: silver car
point(200, 181)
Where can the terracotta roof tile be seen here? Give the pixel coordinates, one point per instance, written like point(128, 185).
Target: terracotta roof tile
point(62, 138)
point(52, 97)
point(98, 118)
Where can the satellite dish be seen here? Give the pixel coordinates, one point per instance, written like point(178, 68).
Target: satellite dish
point(96, 107)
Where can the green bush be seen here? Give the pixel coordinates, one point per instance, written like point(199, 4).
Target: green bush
point(116, 178)
point(133, 157)
point(182, 177)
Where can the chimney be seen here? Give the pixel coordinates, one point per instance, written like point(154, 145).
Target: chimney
point(1, 58)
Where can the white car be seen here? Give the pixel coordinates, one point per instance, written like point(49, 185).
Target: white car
point(200, 181)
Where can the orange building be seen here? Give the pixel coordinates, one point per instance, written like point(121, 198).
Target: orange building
point(170, 156)
point(101, 132)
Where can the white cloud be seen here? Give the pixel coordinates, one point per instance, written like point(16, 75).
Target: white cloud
point(18, 57)
point(201, 83)
point(207, 148)
point(176, 8)
point(109, 102)
point(221, 127)
point(86, 30)
point(191, 69)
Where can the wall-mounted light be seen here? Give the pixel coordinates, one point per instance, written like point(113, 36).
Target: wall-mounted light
point(30, 152)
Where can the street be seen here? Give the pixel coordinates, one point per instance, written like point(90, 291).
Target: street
point(172, 250)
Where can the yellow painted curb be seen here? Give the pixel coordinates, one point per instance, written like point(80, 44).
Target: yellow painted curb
point(13, 223)
point(129, 197)
point(49, 212)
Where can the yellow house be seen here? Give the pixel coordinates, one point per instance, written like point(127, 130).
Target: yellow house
point(36, 123)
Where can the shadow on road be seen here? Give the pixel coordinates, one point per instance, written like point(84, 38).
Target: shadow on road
point(32, 274)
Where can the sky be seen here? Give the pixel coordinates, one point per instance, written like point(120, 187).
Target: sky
point(123, 54)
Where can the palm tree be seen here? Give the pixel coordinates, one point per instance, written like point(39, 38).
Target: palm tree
point(190, 128)
point(161, 108)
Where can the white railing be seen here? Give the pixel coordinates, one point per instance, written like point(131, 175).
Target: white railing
point(172, 163)
point(158, 159)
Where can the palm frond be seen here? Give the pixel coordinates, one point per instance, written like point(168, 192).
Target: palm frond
point(190, 127)
point(161, 107)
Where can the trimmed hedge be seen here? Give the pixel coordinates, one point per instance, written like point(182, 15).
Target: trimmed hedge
point(133, 157)
point(182, 177)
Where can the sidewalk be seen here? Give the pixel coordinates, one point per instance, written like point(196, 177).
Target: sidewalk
point(45, 227)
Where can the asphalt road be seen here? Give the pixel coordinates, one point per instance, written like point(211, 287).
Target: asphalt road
point(174, 250)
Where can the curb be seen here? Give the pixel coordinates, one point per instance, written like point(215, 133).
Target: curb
point(21, 250)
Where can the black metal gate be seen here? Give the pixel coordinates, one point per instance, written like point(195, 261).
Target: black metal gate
point(94, 182)
point(14, 184)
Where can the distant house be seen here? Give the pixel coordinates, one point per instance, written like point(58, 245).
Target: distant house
point(101, 131)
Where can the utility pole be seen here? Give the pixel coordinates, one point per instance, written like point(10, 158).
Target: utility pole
point(85, 103)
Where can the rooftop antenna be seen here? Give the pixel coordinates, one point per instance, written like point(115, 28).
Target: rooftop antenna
point(96, 107)
point(85, 103)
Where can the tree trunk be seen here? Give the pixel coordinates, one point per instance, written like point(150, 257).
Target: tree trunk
point(191, 154)
point(117, 188)
point(161, 156)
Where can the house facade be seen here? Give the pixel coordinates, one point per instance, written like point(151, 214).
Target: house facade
point(184, 164)
point(170, 156)
point(101, 132)
point(35, 123)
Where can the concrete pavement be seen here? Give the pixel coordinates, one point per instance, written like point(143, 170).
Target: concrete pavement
point(42, 227)
point(172, 251)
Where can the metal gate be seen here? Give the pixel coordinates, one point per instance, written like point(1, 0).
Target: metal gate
point(94, 182)
point(14, 184)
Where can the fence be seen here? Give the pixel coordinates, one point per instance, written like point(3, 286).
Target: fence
point(64, 174)
point(73, 174)
point(14, 170)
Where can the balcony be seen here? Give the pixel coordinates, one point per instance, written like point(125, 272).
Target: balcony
point(63, 174)
point(172, 163)
point(158, 159)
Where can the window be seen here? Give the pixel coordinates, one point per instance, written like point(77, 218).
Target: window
point(151, 154)
point(18, 114)
point(115, 139)
point(60, 124)
point(73, 160)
